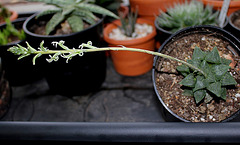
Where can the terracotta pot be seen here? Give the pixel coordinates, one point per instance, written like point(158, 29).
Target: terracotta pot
point(148, 9)
point(13, 17)
point(131, 63)
point(217, 5)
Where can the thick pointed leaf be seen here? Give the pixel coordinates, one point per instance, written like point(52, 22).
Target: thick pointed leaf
point(215, 88)
point(225, 61)
point(219, 70)
point(213, 56)
point(198, 54)
point(96, 9)
point(75, 23)
point(54, 21)
point(47, 12)
point(208, 98)
point(199, 83)
point(228, 80)
point(183, 69)
point(199, 95)
point(205, 67)
point(187, 92)
point(224, 93)
point(188, 81)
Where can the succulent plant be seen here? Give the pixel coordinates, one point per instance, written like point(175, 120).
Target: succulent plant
point(75, 12)
point(4, 12)
point(216, 80)
point(8, 31)
point(128, 24)
point(187, 14)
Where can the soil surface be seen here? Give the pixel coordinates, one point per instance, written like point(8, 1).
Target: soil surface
point(62, 29)
point(170, 90)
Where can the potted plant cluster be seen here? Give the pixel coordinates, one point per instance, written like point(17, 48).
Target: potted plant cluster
point(195, 75)
point(131, 32)
point(73, 22)
point(181, 15)
point(6, 13)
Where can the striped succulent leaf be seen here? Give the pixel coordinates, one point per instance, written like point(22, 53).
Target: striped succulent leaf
point(96, 9)
point(54, 21)
point(76, 23)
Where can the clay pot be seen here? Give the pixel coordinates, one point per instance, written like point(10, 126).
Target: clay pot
point(131, 63)
point(217, 5)
point(13, 17)
point(148, 9)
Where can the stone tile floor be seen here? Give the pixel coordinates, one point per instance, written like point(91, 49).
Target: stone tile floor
point(120, 99)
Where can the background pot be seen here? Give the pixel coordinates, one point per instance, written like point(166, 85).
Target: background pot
point(13, 17)
point(149, 9)
point(131, 63)
point(18, 72)
point(80, 75)
point(5, 93)
point(231, 26)
point(217, 5)
point(168, 114)
point(163, 34)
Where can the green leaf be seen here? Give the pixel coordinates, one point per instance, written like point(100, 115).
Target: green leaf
point(188, 81)
point(228, 80)
point(199, 95)
point(47, 12)
point(187, 92)
point(215, 88)
point(194, 62)
point(225, 61)
point(199, 83)
point(54, 21)
point(204, 66)
point(96, 9)
point(208, 98)
point(220, 70)
point(224, 93)
point(76, 23)
point(213, 56)
point(198, 54)
point(183, 69)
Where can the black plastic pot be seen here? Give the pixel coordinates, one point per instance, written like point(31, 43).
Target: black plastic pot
point(5, 93)
point(231, 27)
point(163, 34)
point(80, 75)
point(18, 72)
point(211, 30)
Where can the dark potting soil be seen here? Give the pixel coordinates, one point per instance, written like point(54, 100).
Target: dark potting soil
point(167, 81)
point(62, 29)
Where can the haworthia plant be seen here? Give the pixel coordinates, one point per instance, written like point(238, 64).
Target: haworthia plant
point(74, 12)
point(216, 80)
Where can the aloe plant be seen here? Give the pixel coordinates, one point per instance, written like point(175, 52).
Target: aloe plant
point(187, 14)
point(128, 24)
point(10, 30)
point(4, 12)
point(75, 12)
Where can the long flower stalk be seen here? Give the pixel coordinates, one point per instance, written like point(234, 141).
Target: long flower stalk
point(83, 48)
